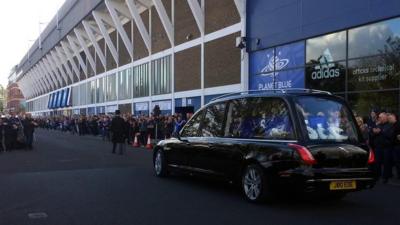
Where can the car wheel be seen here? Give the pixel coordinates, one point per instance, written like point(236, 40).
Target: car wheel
point(160, 167)
point(254, 184)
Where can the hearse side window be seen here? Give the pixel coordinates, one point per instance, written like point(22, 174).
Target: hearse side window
point(213, 120)
point(258, 118)
point(192, 128)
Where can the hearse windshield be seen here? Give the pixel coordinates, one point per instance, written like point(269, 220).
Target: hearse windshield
point(326, 119)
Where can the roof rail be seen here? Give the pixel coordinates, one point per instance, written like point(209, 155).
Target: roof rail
point(283, 91)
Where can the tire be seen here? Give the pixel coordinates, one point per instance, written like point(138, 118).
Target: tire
point(159, 164)
point(254, 184)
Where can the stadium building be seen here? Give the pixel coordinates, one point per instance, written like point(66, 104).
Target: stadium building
point(97, 56)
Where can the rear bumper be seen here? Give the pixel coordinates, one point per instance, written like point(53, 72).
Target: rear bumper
point(319, 180)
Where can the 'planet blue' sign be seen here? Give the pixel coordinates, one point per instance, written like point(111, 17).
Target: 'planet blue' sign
point(277, 68)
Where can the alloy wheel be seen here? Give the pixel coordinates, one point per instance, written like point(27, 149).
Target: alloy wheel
point(252, 183)
point(158, 163)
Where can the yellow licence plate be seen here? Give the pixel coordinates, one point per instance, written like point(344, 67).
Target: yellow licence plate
point(343, 185)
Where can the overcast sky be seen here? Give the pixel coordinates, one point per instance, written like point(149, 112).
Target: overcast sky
point(19, 22)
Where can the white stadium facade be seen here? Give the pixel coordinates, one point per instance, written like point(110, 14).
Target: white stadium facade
point(97, 56)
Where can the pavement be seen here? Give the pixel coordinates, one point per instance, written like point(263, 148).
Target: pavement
point(72, 180)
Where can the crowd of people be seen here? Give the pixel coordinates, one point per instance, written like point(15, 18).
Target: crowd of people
point(381, 130)
point(125, 130)
point(16, 132)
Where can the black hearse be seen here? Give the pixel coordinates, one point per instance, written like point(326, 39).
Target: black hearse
point(295, 140)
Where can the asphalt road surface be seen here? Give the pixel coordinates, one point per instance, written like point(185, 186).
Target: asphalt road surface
point(71, 180)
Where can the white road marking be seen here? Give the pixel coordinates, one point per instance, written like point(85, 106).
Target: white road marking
point(37, 215)
point(68, 160)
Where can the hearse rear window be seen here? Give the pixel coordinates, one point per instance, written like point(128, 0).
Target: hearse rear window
point(258, 118)
point(326, 119)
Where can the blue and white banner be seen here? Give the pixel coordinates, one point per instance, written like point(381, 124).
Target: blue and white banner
point(164, 105)
point(111, 108)
point(189, 101)
point(50, 101)
point(142, 106)
point(61, 104)
point(58, 102)
point(67, 96)
point(265, 67)
point(293, 53)
point(290, 79)
point(59, 99)
point(261, 62)
point(53, 101)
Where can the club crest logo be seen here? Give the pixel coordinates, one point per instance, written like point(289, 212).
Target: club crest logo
point(274, 63)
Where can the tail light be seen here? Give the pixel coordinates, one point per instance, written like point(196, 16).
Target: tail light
point(371, 157)
point(304, 153)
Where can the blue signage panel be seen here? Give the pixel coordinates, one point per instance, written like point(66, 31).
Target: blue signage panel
point(271, 68)
point(292, 54)
point(141, 108)
point(261, 62)
point(49, 102)
point(66, 97)
point(101, 110)
point(290, 79)
point(62, 102)
point(278, 80)
point(53, 101)
point(262, 82)
point(58, 99)
point(190, 101)
point(91, 111)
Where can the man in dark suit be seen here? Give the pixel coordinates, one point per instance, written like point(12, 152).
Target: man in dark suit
point(118, 129)
point(29, 128)
point(382, 136)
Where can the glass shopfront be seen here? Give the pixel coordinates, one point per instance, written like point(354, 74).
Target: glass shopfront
point(360, 64)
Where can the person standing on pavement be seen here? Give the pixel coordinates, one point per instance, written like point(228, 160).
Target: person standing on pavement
point(105, 127)
point(127, 126)
point(3, 135)
point(363, 128)
point(72, 126)
point(169, 127)
point(28, 125)
point(373, 118)
point(382, 138)
point(393, 119)
point(143, 131)
point(179, 125)
point(118, 130)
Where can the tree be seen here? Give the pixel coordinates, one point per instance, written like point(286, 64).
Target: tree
point(2, 98)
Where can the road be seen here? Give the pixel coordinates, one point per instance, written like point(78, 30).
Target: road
point(71, 180)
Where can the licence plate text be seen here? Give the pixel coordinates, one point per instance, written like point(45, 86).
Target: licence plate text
point(343, 185)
